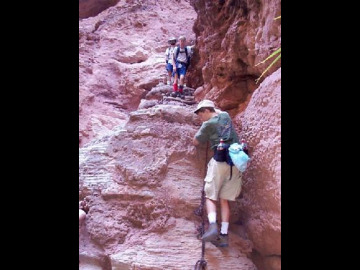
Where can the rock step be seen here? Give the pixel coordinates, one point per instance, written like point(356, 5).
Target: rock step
point(185, 100)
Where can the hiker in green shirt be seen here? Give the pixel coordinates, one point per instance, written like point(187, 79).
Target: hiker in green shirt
point(222, 181)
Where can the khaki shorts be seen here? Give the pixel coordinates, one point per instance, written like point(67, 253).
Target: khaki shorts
point(218, 184)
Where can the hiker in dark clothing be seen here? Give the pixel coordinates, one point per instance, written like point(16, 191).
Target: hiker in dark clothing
point(220, 184)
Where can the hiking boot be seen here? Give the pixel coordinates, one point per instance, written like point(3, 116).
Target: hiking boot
point(221, 241)
point(174, 94)
point(211, 234)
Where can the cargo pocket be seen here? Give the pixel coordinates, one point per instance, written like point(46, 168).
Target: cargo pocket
point(210, 171)
point(238, 191)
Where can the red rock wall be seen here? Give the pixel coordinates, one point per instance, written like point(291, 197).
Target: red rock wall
point(89, 8)
point(230, 39)
point(260, 203)
point(138, 168)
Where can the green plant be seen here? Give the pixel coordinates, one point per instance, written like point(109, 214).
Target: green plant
point(277, 52)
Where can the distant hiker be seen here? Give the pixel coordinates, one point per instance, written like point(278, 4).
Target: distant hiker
point(83, 210)
point(222, 181)
point(169, 57)
point(181, 62)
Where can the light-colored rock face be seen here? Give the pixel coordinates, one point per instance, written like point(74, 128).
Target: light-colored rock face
point(137, 166)
point(144, 183)
point(122, 56)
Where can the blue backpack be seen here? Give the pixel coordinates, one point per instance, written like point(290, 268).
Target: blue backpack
point(238, 156)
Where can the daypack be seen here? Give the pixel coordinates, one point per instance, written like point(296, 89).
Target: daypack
point(233, 155)
point(224, 156)
point(188, 57)
point(238, 156)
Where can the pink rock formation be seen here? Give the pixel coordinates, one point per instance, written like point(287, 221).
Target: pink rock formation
point(137, 163)
point(122, 56)
point(145, 183)
point(261, 197)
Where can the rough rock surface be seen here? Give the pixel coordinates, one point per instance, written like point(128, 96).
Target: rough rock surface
point(122, 57)
point(144, 183)
point(261, 195)
point(231, 38)
point(88, 8)
point(137, 166)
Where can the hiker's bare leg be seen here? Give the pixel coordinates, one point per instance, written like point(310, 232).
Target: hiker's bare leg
point(210, 206)
point(175, 86)
point(225, 210)
point(175, 78)
point(182, 79)
point(212, 231)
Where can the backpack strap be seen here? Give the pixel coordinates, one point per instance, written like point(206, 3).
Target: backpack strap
point(187, 57)
point(229, 162)
point(167, 54)
point(186, 52)
point(177, 52)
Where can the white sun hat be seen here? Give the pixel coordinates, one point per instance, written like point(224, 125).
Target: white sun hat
point(204, 103)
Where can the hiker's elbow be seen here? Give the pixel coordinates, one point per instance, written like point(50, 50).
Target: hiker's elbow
point(195, 142)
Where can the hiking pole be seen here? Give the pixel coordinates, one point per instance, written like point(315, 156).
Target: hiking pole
point(201, 264)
